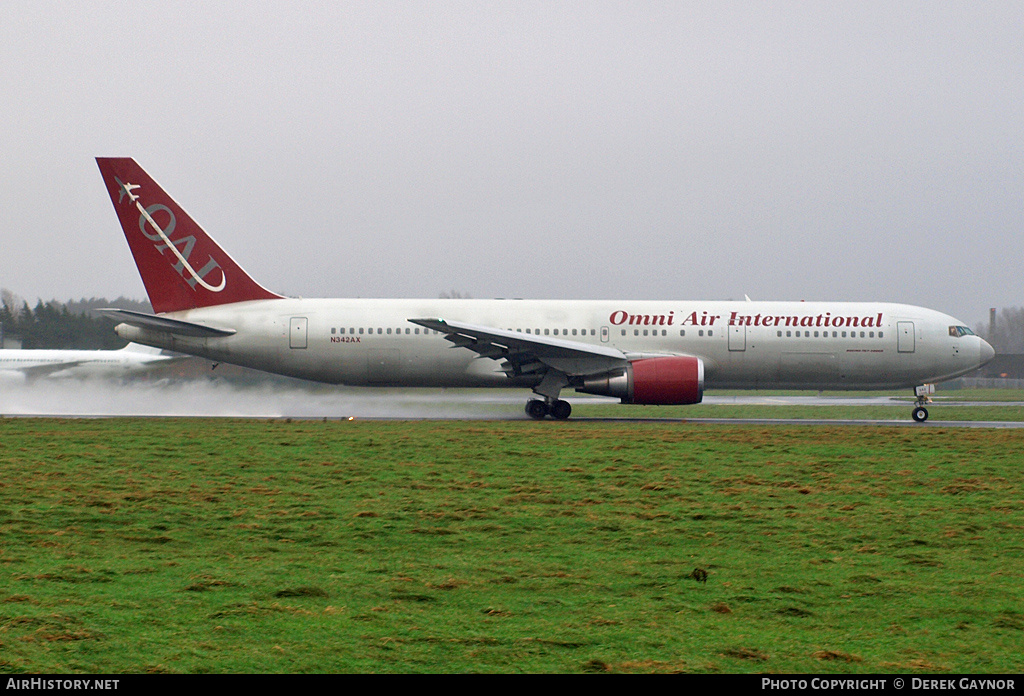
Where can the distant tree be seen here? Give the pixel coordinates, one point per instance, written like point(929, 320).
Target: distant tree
point(68, 325)
point(10, 304)
point(84, 306)
point(1007, 337)
point(455, 295)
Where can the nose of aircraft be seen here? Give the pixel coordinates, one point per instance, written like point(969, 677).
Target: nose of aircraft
point(985, 352)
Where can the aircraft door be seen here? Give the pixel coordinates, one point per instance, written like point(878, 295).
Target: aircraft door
point(297, 332)
point(738, 337)
point(605, 332)
point(905, 337)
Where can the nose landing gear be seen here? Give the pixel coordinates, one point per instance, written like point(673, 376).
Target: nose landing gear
point(920, 413)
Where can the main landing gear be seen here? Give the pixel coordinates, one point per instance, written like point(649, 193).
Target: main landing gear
point(558, 409)
point(920, 413)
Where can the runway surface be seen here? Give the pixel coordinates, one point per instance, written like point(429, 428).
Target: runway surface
point(1012, 425)
point(74, 399)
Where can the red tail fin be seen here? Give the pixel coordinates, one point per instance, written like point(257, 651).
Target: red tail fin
point(181, 266)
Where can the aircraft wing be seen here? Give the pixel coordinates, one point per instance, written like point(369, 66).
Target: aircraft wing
point(47, 369)
point(528, 354)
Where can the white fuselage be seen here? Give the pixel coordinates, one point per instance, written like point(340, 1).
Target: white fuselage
point(77, 363)
point(748, 345)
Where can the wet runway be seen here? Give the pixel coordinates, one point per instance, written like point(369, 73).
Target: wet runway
point(74, 399)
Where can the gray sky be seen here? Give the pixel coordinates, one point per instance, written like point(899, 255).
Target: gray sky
point(680, 150)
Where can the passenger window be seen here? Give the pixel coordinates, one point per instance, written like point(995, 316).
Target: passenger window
point(682, 332)
point(701, 332)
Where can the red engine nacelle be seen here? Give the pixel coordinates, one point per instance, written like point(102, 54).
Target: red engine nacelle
point(668, 380)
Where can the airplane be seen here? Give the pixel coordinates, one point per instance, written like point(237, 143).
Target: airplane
point(641, 352)
point(24, 365)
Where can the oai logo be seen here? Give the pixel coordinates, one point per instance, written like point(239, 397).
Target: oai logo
point(162, 236)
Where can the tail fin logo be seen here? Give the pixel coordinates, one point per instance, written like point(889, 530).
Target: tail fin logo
point(161, 236)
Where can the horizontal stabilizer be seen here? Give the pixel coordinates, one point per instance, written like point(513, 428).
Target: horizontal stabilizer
point(154, 322)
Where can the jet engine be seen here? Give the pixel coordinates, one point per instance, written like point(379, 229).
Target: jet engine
point(12, 377)
point(668, 380)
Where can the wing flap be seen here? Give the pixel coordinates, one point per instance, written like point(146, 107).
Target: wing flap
point(527, 354)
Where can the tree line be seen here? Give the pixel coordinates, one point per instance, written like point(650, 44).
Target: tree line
point(1007, 334)
point(66, 325)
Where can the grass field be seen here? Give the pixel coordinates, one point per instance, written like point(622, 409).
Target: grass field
point(896, 412)
point(194, 545)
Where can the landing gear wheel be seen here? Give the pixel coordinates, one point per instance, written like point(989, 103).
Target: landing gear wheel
point(920, 414)
point(536, 409)
point(559, 409)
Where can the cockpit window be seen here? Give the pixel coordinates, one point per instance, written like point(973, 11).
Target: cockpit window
point(957, 331)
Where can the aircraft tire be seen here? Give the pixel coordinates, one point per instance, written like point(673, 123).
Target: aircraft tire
point(920, 414)
point(560, 409)
point(536, 409)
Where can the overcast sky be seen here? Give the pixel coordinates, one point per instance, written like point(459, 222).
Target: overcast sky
point(635, 150)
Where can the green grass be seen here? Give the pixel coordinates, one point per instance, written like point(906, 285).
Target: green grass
point(938, 411)
point(192, 545)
